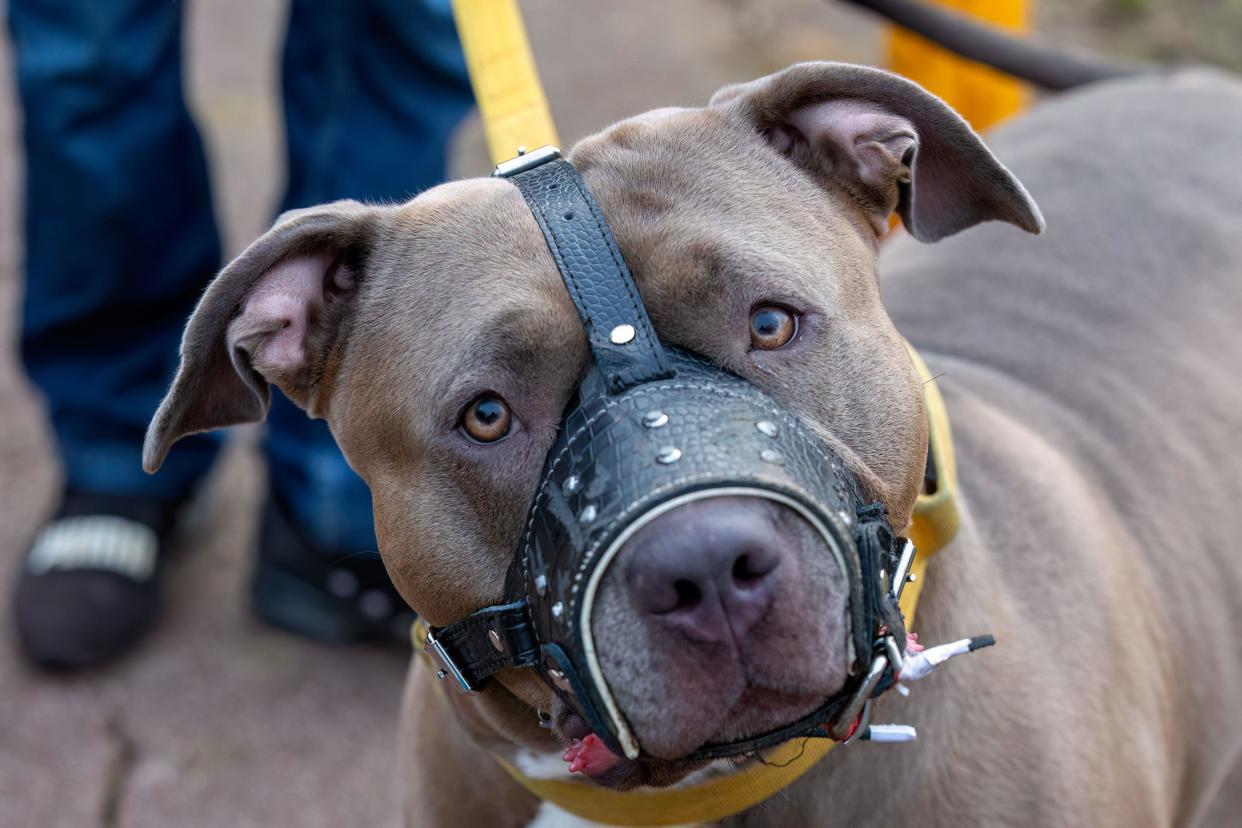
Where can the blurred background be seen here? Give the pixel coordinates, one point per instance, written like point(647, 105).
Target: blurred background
point(218, 719)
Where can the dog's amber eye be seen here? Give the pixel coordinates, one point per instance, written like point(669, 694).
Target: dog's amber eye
point(772, 327)
point(486, 419)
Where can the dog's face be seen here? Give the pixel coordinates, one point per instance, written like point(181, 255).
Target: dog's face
point(437, 339)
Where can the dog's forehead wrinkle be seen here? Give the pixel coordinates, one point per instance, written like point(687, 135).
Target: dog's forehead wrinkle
point(512, 348)
point(479, 225)
point(686, 146)
point(710, 167)
point(465, 266)
point(720, 253)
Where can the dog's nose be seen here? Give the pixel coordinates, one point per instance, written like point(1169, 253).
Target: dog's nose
point(707, 568)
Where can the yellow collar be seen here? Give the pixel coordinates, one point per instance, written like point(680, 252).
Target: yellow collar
point(933, 526)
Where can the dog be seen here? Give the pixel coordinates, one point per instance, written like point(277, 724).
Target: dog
point(1089, 372)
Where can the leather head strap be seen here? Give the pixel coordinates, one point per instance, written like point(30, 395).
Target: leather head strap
point(618, 329)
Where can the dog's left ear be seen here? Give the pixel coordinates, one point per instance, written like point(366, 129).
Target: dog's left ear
point(269, 318)
point(887, 142)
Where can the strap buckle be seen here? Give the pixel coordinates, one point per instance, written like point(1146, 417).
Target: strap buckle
point(842, 725)
point(901, 572)
point(849, 724)
point(526, 161)
point(447, 667)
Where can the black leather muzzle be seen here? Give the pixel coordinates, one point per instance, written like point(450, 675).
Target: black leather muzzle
point(650, 429)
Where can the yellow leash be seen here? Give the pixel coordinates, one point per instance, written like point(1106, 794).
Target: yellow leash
point(502, 72)
point(515, 115)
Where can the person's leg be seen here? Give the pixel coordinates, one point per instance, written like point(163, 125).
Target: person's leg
point(119, 241)
point(119, 234)
point(373, 91)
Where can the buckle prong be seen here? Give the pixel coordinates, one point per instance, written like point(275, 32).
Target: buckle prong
point(839, 728)
point(901, 572)
point(526, 161)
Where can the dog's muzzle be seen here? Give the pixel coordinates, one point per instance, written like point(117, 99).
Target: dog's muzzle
point(653, 428)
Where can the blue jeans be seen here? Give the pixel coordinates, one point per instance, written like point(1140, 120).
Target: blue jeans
point(120, 238)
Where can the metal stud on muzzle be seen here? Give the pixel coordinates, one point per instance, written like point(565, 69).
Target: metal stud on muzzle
point(653, 428)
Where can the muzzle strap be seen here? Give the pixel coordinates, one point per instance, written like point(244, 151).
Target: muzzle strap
point(485, 641)
point(618, 329)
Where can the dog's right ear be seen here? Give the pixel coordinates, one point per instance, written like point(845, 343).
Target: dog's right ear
point(269, 317)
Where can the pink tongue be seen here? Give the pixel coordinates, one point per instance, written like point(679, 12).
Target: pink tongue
point(590, 756)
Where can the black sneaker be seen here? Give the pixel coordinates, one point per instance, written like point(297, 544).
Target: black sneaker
point(89, 586)
point(324, 594)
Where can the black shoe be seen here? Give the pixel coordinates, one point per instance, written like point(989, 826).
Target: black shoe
point(89, 586)
point(320, 593)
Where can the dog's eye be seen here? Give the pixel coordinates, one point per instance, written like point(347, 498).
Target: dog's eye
point(772, 327)
point(486, 419)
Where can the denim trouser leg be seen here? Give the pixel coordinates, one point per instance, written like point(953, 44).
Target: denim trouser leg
point(119, 234)
point(373, 89)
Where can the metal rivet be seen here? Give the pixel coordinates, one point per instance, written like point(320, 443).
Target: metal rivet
point(911, 578)
point(558, 678)
point(767, 428)
point(655, 419)
point(622, 334)
point(497, 641)
point(668, 455)
point(571, 485)
point(588, 513)
point(441, 674)
point(541, 585)
point(558, 609)
point(772, 456)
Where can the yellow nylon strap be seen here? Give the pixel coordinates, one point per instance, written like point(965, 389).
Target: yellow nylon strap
point(706, 802)
point(934, 524)
point(935, 517)
point(981, 94)
point(502, 72)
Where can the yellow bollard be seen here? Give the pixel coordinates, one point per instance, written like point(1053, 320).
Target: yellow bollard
point(982, 95)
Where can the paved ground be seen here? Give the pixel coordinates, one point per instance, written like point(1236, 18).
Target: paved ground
point(218, 721)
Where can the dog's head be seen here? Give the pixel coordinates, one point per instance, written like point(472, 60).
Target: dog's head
point(438, 341)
